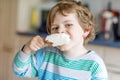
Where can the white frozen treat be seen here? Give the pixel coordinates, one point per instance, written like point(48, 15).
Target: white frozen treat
point(58, 39)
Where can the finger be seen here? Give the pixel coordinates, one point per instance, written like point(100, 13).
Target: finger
point(41, 40)
point(32, 48)
point(37, 40)
point(35, 47)
point(39, 44)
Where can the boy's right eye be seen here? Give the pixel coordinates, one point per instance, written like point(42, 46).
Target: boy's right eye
point(54, 28)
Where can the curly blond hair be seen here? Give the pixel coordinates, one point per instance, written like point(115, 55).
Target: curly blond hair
point(84, 15)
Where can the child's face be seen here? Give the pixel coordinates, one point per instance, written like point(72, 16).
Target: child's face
point(68, 24)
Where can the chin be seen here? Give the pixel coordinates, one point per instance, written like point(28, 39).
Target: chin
point(64, 48)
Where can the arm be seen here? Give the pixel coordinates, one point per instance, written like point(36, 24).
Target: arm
point(24, 65)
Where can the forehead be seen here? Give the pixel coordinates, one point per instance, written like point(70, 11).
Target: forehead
point(66, 16)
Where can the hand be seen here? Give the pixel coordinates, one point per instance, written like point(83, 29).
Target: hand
point(34, 44)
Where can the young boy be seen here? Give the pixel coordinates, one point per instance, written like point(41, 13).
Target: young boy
point(70, 61)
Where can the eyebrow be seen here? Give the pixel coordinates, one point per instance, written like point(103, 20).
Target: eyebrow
point(66, 21)
point(54, 24)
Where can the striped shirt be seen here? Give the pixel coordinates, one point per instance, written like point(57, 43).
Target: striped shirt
point(50, 64)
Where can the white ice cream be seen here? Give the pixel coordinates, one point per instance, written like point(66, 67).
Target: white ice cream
point(58, 39)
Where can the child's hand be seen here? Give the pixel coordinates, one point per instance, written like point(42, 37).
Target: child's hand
point(34, 44)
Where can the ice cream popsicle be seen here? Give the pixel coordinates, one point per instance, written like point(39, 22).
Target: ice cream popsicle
point(58, 39)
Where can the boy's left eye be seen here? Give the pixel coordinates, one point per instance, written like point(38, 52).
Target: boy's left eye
point(68, 25)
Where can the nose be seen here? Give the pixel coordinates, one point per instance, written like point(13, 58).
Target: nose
point(61, 30)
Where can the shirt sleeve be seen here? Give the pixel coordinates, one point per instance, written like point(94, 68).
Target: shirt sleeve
point(24, 65)
point(99, 71)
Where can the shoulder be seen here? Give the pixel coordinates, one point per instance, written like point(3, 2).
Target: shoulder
point(98, 66)
point(92, 55)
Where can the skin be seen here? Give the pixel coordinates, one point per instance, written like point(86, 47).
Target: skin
point(63, 24)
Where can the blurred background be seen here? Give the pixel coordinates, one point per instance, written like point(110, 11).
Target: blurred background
point(20, 20)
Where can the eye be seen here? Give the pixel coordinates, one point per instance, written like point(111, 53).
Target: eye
point(68, 25)
point(54, 28)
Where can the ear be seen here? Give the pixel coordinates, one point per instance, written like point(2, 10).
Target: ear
point(86, 31)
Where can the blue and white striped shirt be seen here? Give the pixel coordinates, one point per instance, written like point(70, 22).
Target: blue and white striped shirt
point(50, 64)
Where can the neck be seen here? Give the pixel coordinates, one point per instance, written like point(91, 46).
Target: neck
point(76, 51)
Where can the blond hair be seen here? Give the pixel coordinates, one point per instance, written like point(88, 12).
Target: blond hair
point(84, 15)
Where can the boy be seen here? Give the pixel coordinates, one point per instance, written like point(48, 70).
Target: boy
point(70, 61)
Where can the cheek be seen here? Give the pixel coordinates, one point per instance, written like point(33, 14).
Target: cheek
point(52, 32)
point(76, 34)
point(76, 37)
